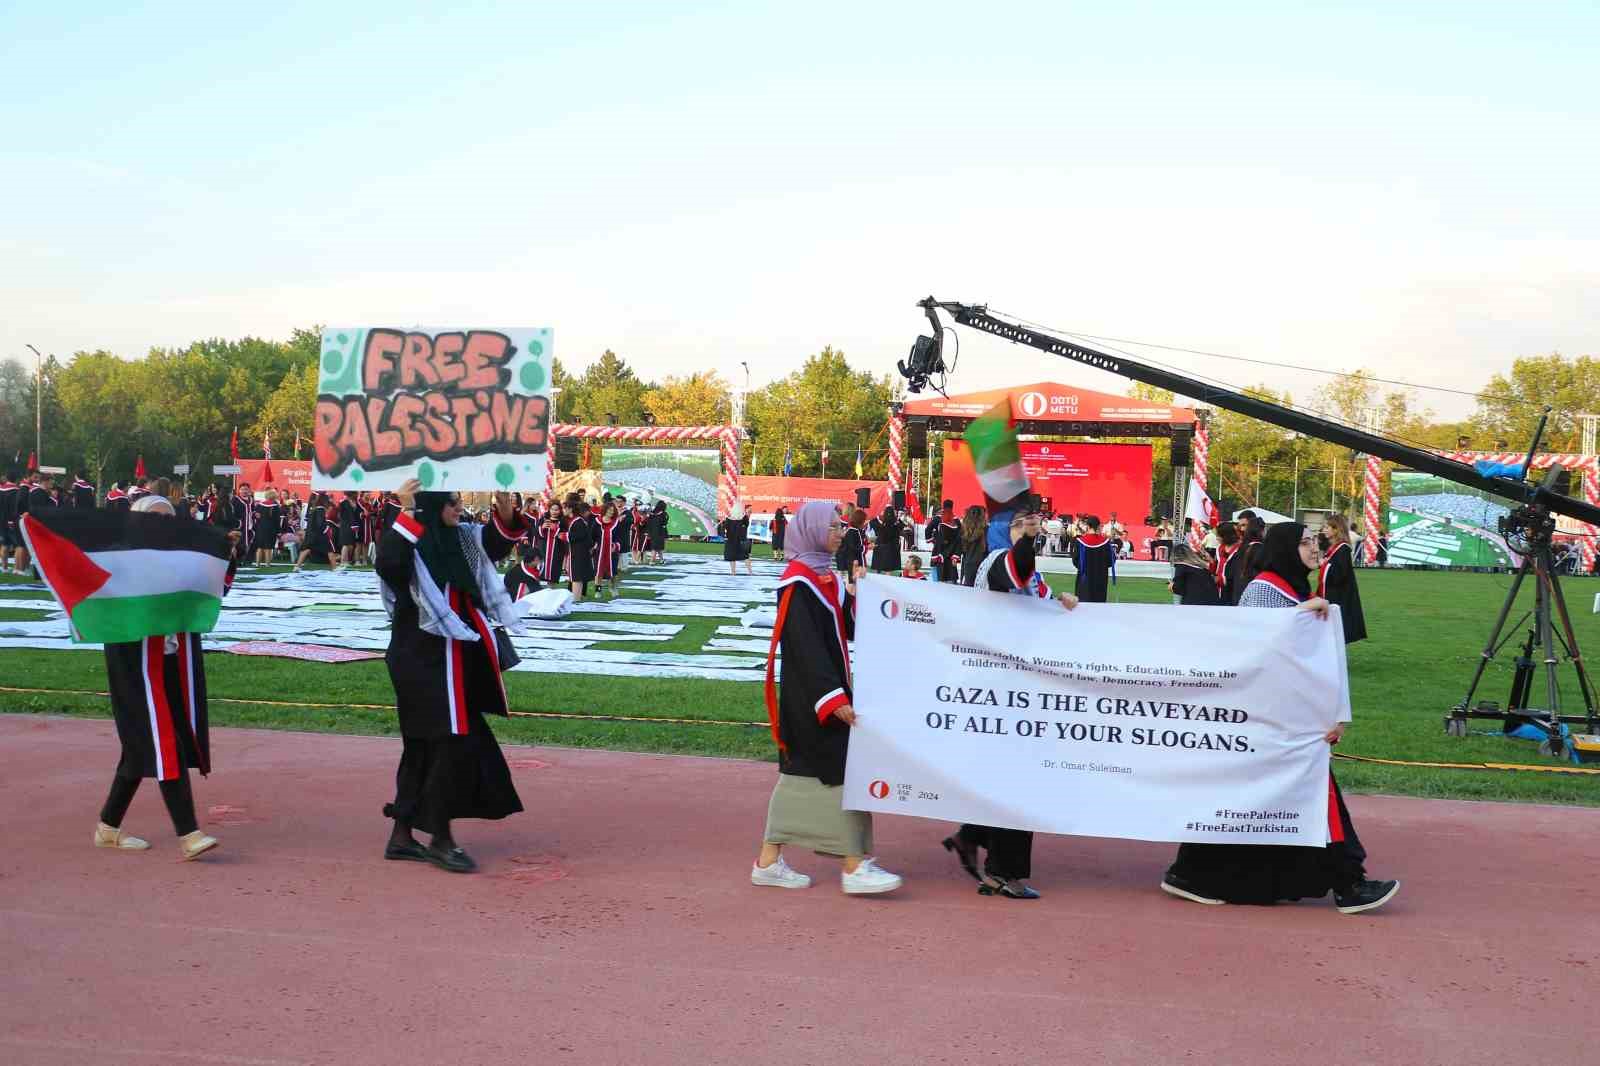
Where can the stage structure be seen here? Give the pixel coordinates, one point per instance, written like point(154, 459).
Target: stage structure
point(726, 437)
point(1048, 408)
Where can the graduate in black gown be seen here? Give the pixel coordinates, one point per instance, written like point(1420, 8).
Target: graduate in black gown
point(1096, 561)
point(1245, 561)
point(158, 701)
point(318, 542)
point(442, 593)
point(656, 528)
point(1268, 873)
point(945, 534)
point(523, 576)
point(886, 530)
point(1009, 566)
point(82, 493)
point(1192, 581)
point(266, 525)
point(581, 539)
point(852, 550)
point(735, 532)
point(1336, 580)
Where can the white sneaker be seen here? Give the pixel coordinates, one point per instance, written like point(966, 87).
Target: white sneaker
point(778, 875)
point(869, 880)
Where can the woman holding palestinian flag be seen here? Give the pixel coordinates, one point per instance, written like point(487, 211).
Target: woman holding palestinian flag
point(1009, 567)
point(442, 593)
point(146, 585)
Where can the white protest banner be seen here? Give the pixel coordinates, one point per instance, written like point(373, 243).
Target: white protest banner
point(1119, 720)
point(458, 409)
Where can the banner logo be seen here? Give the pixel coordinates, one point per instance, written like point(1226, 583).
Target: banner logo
point(1033, 404)
point(889, 609)
point(878, 790)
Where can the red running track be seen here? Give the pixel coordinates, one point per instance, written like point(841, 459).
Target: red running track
point(614, 923)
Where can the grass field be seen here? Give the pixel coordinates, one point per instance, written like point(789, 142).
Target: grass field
point(1427, 631)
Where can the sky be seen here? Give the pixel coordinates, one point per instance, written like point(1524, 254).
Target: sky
point(1408, 187)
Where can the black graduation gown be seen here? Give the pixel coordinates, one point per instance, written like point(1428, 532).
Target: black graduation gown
point(317, 541)
point(438, 681)
point(1097, 563)
point(8, 515)
point(886, 552)
point(736, 545)
point(780, 526)
point(1196, 587)
point(656, 526)
point(1339, 586)
point(852, 549)
point(625, 530)
point(83, 495)
point(815, 678)
point(523, 577)
point(971, 558)
point(349, 523)
point(1009, 851)
point(581, 537)
point(267, 524)
point(946, 550)
point(1239, 572)
point(159, 704)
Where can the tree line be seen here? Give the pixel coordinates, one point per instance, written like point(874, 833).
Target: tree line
point(101, 412)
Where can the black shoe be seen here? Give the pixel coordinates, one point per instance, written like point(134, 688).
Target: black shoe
point(966, 854)
point(1365, 896)
point(455, 860)
point(408, 850)
point(1009, 889)
point(1176, 886)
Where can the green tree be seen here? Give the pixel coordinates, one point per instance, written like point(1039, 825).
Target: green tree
point(608, 387)
point(1510, 405)
point(700, 399)
point(181, 406)
point(288, 411)
point(100, 398)
point(822, 402)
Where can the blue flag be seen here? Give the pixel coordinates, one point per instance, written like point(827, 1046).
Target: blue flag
point(788, 462)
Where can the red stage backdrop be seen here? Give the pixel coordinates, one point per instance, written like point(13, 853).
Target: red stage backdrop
point(763, 495)
point(289, 476)
point(1076, 477)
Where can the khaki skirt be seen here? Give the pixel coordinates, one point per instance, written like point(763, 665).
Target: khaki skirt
point(808, 814)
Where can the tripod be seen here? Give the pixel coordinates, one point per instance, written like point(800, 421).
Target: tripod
point(1544, 637)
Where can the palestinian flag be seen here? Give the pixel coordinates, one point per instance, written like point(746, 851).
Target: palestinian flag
point(996, 457)
point(122, 575)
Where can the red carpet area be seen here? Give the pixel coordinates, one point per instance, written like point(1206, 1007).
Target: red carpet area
point(614, 923)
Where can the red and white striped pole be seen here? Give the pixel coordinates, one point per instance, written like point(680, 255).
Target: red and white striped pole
point(1201, 450)
point(897, 437)
point(1374, 493)
point(1591, 495)
point(728, 490)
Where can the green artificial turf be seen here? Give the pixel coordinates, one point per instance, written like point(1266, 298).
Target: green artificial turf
point(1428, 630)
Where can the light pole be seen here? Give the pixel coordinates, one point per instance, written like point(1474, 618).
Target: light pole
point(38, 409)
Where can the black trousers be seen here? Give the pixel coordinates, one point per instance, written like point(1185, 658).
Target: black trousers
point(177, 795)
point(1008, 852)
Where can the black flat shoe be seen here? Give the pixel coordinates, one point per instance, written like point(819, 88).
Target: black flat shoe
point(455, 860)
point(966, 854)
point(410, 850)
point(1009, 889)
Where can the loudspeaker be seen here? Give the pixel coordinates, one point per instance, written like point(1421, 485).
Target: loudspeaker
point(917, 440)
point(863, 498)
point(899, 499)
point(1181, 455)
point(567, 454)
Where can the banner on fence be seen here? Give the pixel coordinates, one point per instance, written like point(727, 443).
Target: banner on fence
point(1114, 720)
point(458, 409)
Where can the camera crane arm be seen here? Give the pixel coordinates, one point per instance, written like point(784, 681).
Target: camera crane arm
point(1520, 492)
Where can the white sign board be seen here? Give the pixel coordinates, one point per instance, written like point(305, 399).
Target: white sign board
point(463, 409)
point(1118, 720)
point(226, 468)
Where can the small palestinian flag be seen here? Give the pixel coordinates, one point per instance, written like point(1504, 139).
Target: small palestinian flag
point(122, 575)
point(996, 457)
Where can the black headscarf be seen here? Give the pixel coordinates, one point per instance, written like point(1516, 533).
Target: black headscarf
point(440, 549)
point(1280, 554)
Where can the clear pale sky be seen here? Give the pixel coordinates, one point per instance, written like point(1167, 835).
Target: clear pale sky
point(1410, 187)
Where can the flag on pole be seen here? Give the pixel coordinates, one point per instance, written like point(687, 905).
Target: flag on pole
point(297, 442)
point(266, 471)
point(1200, 509)
point(824, 460)
point(233, 446)
point(266, 445)
point(858, 459)
point(788, 461)
point(33, 462)
point(996, 456)
point(138, 467)
point(122, 576)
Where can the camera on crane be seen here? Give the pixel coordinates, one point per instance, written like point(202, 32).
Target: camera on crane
point(926, 360)
point(1527, 528)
